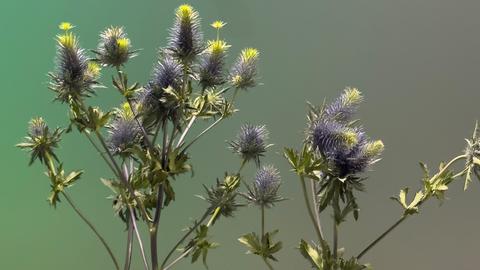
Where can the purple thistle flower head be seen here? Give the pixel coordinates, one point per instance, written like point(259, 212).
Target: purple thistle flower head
point(211, 64)
point(75, 75)
point(264, 191)
point(124, 132)
point(244, 71)
point(251, 142)
point(114, 48)
point(41, 141)
point(37, 128)
point(167, 72)
point(344, 145)
point(345, 106)
point(186, 38)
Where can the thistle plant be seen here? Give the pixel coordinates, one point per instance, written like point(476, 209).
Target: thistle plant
point(335, 155)
point(146, 144)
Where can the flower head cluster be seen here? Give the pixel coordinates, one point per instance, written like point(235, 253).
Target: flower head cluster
point(114, 48)
point(342, 143)
point(124, 131)
point(168, 72)
point(244, 71)
point(473, 145)
point(186, 38)
point(211, 64)
point(222, 197)
point(40, 140)
point(75, 75)
point(264, 191)
point(251, 143)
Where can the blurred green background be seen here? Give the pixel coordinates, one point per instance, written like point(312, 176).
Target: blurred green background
point(417, 63)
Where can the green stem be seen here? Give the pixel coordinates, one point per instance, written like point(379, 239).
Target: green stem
point(140, 243)
point(335, 240)
point(133, 220)
point(263, 220)
point(192, 229)
point(315, 205)
point(69, 200)
point(262, 207)
point(224, 90)
point(50, 165)
point(391, 228)
point(309, 209)
point(101, 153)
point(267, 263)
point(214, 123)
point(122, 177)
point(445, 168)
point(189, 125)
point(183, 255)
point(203, 132)
point(128, 255)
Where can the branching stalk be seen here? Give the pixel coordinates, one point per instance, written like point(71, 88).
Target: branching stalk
point(390, 229)
point(107, 247)
point(128, 255)
point(309, 209)
point(190, 231)
point(404, 217)
point(315, 205)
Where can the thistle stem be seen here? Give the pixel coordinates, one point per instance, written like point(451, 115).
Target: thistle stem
point(128, 255)
point(183, 255)
point(133, 221)
point(335, 240)
point(101, 153)
point(263, 220)
point(404, 217)
point(203, 132)
point(391, 228)
point(315, 205)
point(139, 239)
point(267, 263)
point(262, 208)
point(309, 210)
point(192, 229)
point(107, 247)
point(122, 177)
point(189, 125)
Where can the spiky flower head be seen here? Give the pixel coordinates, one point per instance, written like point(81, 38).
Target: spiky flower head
point(251, 143)
point(211, 64)
point(65, 26)
point(339, 140)
point(218, 24)
point(167, 73)
point(472, 153)
point(345, 106)
point(114, 48)
point(186, 38)
point(244, 71)
point(72, 78)
point(124, 131)
point(223, 197)
point(264, 191)
point(41, 141)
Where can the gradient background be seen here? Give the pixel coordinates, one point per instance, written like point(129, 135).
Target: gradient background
point(417, 63)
